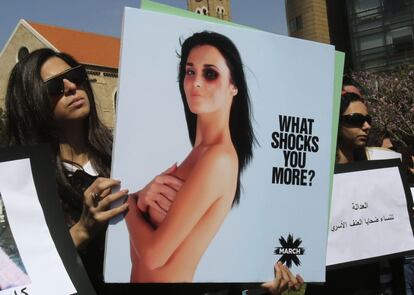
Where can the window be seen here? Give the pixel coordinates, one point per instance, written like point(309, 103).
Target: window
point(402, 39)
point(371, 41)
point(220, 12)
point(201, 10)
point(295, 24)
point(115, 99)
point(363, 5)
point(394, 6)
point(22, 53)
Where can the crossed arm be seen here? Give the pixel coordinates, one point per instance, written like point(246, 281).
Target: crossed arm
point(208, 181)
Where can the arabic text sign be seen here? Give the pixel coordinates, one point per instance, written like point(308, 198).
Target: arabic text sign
point(369, 216)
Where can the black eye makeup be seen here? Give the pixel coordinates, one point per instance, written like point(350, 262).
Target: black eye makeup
point(210, 74)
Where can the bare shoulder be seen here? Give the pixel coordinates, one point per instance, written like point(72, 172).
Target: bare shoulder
point(220, 156)
point(215, 172)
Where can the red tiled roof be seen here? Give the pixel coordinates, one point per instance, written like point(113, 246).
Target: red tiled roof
point(86, 48)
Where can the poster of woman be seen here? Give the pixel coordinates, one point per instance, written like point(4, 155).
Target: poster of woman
point(243, 116)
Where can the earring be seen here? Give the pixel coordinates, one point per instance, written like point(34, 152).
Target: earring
point(234, 90)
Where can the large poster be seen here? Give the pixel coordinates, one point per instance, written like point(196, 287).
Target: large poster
point(283, 208)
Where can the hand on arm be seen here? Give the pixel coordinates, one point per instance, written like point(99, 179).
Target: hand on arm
point(157, 196)
point(200, 190)
point(96, 202)
point(284, 280)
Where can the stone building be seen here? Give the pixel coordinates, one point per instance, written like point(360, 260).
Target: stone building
point(308, 20)
point(215, 8)
point(98, 53)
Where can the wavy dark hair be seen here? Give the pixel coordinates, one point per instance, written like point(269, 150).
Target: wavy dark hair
point(346, 99)
point(240, 126)
point(29, 120)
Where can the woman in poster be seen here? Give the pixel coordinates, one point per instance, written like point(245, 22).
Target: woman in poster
point(217, 107)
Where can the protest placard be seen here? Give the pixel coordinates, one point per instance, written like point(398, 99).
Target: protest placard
point(37, 255)
point(371, 214)
point(290, 169)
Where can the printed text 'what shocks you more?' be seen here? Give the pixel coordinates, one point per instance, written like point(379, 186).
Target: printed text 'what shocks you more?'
point(295, 139)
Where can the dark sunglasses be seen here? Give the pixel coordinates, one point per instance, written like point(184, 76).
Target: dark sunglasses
point(356, 119)
point(55, 85)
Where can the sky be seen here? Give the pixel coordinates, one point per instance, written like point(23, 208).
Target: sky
point(105, 16)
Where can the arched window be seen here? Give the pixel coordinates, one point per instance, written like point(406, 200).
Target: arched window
point(201, 10)
point(22, 53)
point(220, 11)
point(115, 99)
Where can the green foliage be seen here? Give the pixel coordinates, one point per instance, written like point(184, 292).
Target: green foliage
point(390, 98)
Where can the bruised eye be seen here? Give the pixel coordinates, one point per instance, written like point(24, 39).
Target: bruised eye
point(210, 74)
point(189, 72)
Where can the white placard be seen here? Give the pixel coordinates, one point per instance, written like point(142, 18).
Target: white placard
point(44, 267)
point(369, 216)
point(279, 199)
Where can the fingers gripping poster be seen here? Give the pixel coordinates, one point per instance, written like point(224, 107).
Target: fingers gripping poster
point(242, 119)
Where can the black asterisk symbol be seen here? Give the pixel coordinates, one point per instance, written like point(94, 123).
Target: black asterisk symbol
point(290, 244)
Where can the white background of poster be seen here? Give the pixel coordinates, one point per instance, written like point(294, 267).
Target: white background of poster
point(383, 193)
point(27, 223)
point(285, 76)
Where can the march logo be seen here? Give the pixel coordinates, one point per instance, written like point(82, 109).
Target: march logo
point(289, 250)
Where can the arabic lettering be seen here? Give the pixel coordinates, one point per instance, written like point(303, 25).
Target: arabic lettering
point(359, 206)
point(361, 221)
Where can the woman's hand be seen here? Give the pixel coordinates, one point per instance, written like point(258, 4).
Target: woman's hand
point(283, 281)
point(96, 201)
point(158, 195)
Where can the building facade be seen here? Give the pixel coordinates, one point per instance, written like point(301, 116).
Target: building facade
point(99, 54)
point(374, 34)
point(215, 8)
point(380, 33)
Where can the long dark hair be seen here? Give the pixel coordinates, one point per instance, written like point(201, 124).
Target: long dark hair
point(29, 119)
point(346, 99)
point(240, 126)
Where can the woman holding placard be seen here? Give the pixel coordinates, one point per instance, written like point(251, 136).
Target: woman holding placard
point(50, 100)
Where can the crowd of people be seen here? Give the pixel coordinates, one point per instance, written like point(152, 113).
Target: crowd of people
point(50, 100)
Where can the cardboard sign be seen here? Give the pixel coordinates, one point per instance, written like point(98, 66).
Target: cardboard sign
point(37, 255)
point(290, 171)
point(371, 213)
